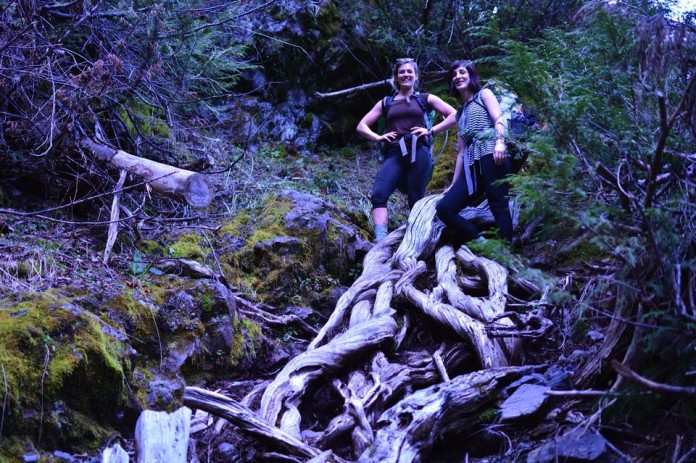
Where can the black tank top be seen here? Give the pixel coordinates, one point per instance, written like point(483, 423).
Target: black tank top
point(403, 115)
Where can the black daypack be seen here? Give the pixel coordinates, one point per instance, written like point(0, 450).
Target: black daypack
point(428, 116)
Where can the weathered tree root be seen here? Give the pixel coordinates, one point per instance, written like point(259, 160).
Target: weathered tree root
point(349, 351)
point(407, 431)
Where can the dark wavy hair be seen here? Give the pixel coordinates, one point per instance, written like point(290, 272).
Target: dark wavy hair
point(474, 79)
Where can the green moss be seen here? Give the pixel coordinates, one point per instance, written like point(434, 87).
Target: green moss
point(247, 336)
point(49, 348)
point(487, 415)
point(13, 448)
point(206, 302)
point(236, 226)
point(444, 165)
point(238, 341)
point(274, 151)
point(272, 223)
point(150, 247)
point(328, 20)
point(580, 251)
point(149, 120)
point(188, 246)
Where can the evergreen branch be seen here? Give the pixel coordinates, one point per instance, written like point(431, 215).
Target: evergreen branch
point(665, 128)
point(218, 23)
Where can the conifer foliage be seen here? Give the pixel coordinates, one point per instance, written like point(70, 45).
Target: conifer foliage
point(126, 73)
point(614, 176)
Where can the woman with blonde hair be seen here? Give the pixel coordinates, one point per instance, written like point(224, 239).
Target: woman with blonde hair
point(408, 138)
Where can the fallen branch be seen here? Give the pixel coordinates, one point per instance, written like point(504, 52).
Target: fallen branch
point(192, 187)
point(247, 420)
point(626, 372)
point(115, 215)
point(353, 89)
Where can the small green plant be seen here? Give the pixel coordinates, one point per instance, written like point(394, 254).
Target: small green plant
point(137, 266)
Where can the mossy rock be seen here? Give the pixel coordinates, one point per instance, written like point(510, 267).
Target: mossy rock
point(188, 246)
point(297, 246)
point(65, 374)
point(444, 165)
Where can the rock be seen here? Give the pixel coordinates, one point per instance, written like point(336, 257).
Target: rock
point(526, 402)
point(576, 446)
point(179, 313)
point(229, 452)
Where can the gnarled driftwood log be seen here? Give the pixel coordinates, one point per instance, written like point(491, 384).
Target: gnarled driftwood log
point(365, 356)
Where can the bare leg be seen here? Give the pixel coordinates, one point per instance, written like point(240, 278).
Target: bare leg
point(380, 218)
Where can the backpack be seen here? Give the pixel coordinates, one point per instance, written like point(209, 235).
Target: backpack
point(519, 123)
point(428, 117)
point(387, 102)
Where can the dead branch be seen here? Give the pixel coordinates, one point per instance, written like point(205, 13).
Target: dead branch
point(115, 209)
point(353, 89)
point(408, 430)
point(245, 419)
point(193, 187)
point(626, 372)
point(665, 127)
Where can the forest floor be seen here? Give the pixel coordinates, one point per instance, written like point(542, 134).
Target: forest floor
point(42, 254)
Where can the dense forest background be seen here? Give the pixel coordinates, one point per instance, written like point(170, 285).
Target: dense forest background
point(240, 91)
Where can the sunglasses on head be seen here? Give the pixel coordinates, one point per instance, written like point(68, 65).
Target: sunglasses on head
point(405, 60)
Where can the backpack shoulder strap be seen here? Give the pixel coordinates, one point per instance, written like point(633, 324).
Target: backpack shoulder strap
point(425, 108)
point(387, 102)
point(478, 99)
point(421, 102)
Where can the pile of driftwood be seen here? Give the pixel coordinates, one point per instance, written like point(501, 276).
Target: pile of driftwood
point(370, 355)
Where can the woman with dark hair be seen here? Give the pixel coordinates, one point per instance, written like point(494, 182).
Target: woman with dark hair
point(408, 138)
point(482, 162)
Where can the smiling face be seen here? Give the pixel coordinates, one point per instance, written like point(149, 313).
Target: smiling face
point(461, 79)
point(406, 75)
point(464, 79)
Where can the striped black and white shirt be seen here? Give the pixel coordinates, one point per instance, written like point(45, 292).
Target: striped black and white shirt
point(476, 128)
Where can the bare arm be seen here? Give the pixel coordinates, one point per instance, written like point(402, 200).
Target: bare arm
point(370, 119)
point(496, 115)
point(447, 111)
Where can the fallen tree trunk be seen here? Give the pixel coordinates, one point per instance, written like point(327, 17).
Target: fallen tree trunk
point(246, 419)
point(409, 429)
point(181, 184)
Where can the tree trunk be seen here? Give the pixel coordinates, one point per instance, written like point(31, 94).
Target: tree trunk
point(163, 437)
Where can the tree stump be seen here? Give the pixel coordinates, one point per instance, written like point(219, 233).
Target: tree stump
point(163, 437)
